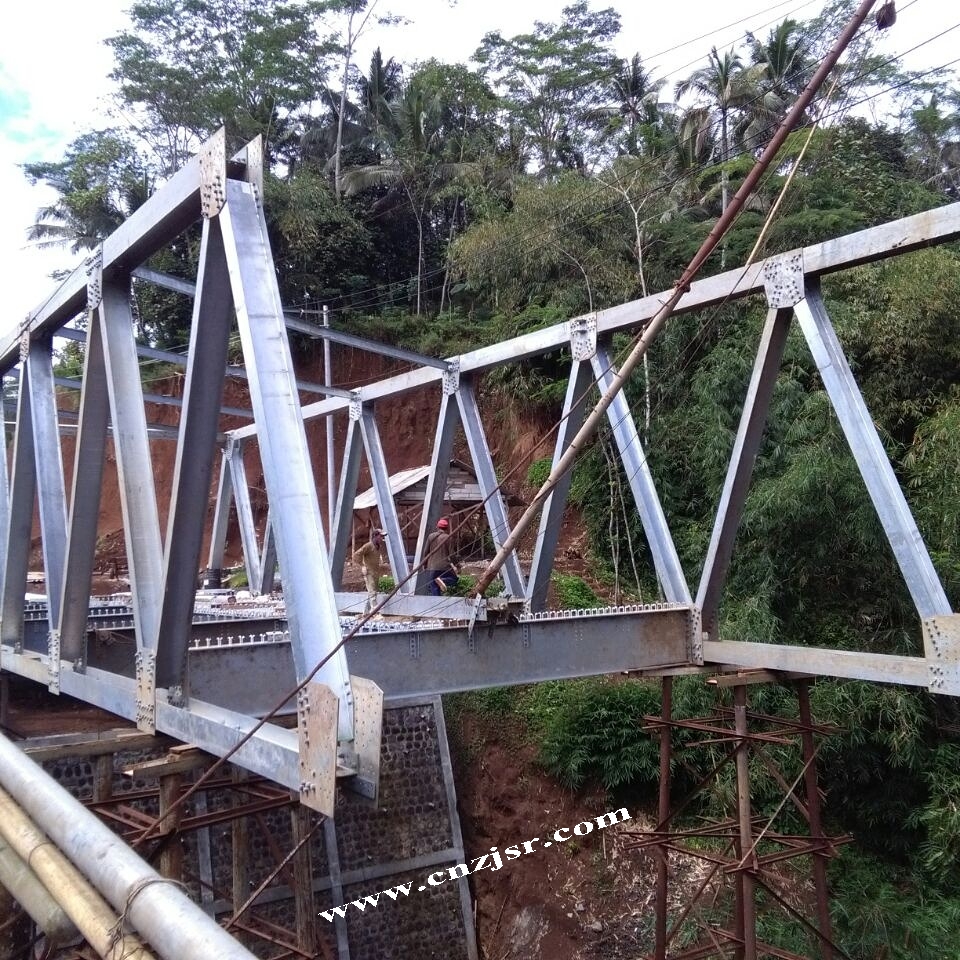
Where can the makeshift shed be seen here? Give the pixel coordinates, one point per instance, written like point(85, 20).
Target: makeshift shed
point(409, 489)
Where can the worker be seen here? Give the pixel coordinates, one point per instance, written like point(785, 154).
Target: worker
point(443, 566)
point(371, 565)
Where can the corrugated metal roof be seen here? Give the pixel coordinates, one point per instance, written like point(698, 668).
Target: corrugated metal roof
point(398, 481)
point(405, 479)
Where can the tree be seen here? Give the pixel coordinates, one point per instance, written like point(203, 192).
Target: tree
point(557, 246)
point(634, 115)
point(786, 68)
point(933, 134)
point(720, 88)
point(196, 65)
point(100, 181)
point(358, 14)
point(429, 138)
point(553, 80)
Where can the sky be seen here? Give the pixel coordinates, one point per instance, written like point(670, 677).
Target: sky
point(54, 77)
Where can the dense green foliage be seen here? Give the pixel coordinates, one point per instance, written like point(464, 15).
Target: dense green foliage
point(445, 206)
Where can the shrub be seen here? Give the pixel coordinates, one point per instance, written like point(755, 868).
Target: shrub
point(573, 593)
point(591, 730)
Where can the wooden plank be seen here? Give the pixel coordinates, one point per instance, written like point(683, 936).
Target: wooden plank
point(178, 760)
point(103, 778)
point(742, 677)
point(171, 856)
point(305, 908)
point(79, 745)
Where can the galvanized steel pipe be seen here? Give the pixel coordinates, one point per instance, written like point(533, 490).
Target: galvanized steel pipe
point(25, 886)
point(156, 908)
point(60, 879)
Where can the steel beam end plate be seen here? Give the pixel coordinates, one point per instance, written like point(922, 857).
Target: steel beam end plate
point(318, 711)
point(213, 175)
point(94, 269)
point(367, 735)
point(783, 279)
point(451, 378)
point(53, 661)
point(941, 641)
point(583, 337)
point(146, 676)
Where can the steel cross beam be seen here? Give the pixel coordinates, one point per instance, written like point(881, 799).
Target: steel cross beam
point(308, 329)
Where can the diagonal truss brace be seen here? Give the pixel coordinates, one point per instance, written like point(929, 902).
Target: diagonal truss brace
point(637, 467)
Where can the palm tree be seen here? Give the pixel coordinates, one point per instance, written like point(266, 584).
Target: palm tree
point(635, 105)
point(100, 182)
point(783, 68)
point(720, 88)
point(412, 164)
point(378, 90)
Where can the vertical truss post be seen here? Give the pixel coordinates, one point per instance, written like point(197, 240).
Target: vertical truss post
point(381, 486)
point(315, 633)
point(747, 899)
point(447, 422)
point(50, 487)
point(489, 486)
point(241, 499)
point(199, 417)
point(548, 535)
point(663, 818)
point(812, 791)
point(888, 500)
point(239, 850)
point(221, 516)
point(635, 464)
point(742, 460)
point(85, 501)
point(346, 495)
point(138, 497)
point(23, 488)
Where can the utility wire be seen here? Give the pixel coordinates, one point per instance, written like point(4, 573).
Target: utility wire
point(562, 214)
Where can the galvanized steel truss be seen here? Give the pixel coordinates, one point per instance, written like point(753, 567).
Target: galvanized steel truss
point(237, 279)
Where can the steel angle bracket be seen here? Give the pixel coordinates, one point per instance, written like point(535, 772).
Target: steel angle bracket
point(146, 677)
point(367, 737)
point(583, 337)
point(53, 661)
point(783, 279)
point(318, 710)
point(941, 641)
point(213, 175)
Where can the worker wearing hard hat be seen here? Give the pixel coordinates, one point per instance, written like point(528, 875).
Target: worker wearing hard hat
point(443, 566)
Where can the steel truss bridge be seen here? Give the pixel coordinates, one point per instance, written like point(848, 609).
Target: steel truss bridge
point(204, 676)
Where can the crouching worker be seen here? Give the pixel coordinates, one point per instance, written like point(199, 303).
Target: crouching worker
point(371, 565)
point(444, 567)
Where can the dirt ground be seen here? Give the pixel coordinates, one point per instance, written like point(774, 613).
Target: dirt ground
point(582, 900)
